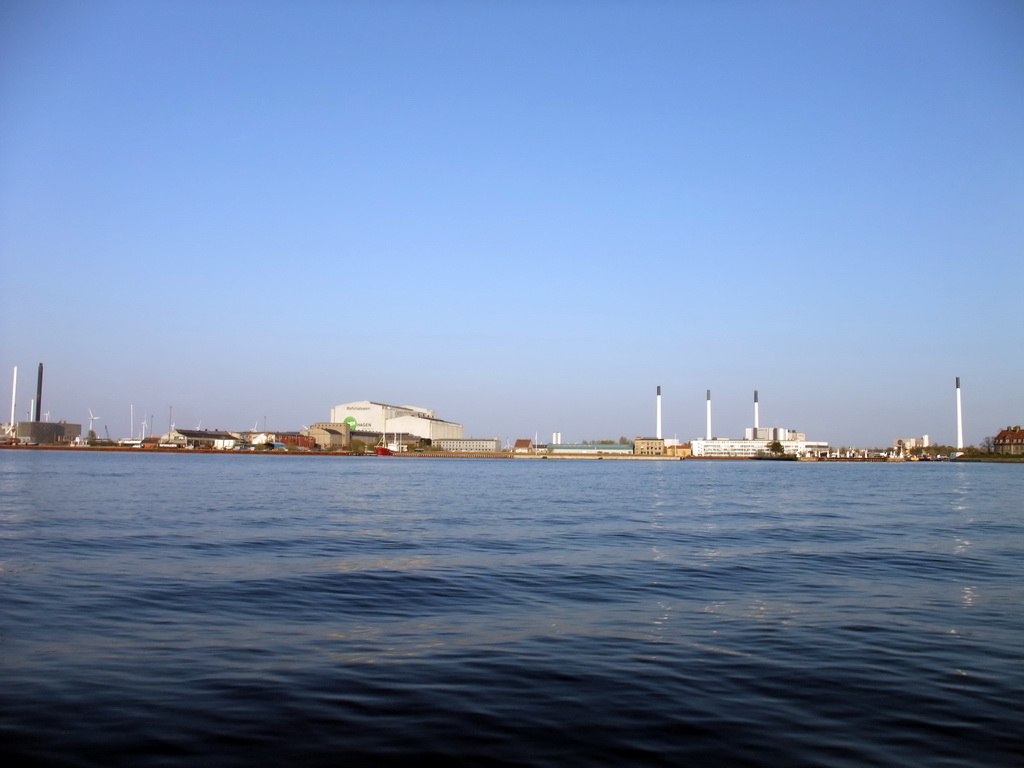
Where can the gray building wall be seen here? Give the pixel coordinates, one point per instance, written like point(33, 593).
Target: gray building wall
point(48, 432)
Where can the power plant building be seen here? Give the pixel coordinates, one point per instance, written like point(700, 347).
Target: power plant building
point(911, 443)
point(757, 440)
point(36, 431)
point(370, 416)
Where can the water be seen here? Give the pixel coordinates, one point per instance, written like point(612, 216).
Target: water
point(169, 610)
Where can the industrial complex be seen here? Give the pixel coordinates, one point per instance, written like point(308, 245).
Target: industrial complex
point(369, 416)
point(371, 426)
point(35, 430)
point(757, 441)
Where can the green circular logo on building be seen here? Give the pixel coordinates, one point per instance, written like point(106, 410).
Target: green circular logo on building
point(351, 421)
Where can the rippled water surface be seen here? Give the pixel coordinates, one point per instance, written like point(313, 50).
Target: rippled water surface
point(171, 610)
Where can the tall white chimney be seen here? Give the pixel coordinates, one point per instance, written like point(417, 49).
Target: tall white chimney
point(959, 418)
point(14, 395)
point(757, 423)
point(657, 432)
point(709, 414)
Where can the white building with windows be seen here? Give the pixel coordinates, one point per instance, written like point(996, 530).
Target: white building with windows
point(370, 416)
point(470, 445)
point(724, 448)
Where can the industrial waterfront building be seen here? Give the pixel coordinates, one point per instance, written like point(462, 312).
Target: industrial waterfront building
point(911, 443)
point(47, 432)
point(329, 435)
point(616, 449)
point(203, 439)
point(757, 441)
point(725, 448)
point(370, 416)
point(649, 446)
point(37, 431)
point(468, 445)
point(773, 433)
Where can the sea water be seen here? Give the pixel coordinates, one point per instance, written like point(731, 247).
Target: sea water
point(237, 610)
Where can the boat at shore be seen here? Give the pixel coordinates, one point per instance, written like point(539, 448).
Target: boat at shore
point(384, 448)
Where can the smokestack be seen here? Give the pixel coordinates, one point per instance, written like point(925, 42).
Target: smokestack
point(757, 422)
point(39, 394)
point(14, 396)
point(959, 418)
point(709, 414)
point(657, 432)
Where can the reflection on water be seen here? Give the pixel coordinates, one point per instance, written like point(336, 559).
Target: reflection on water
point(970, 595)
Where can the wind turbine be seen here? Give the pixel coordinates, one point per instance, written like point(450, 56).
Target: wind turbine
point(92, 419)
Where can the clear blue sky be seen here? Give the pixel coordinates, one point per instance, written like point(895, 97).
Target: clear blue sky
point(525, 215)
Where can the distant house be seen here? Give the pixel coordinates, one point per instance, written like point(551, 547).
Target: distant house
point(1010, 441)
point(523, 445)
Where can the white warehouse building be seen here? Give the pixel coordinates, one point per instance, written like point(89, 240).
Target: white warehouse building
point(369, 416)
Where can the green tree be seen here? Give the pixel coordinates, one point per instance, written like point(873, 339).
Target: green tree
point(775, 448)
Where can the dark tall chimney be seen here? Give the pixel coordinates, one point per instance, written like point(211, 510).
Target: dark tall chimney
point(39, 394)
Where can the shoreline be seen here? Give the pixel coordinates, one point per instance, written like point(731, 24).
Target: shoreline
point(501, 455)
